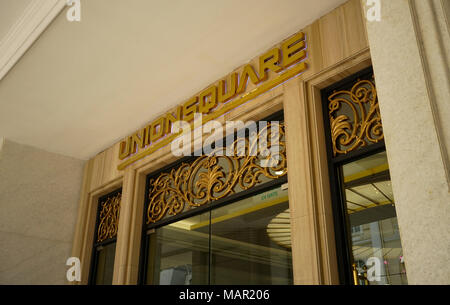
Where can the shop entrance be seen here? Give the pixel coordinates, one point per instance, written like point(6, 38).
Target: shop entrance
point(367, 234)
point(219, 220)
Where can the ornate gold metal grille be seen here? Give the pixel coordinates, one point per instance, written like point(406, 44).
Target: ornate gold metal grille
point(354, 117)
point(212, 177)
point(109, 217)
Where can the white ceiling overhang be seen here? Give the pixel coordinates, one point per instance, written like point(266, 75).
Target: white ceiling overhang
point(82, 86)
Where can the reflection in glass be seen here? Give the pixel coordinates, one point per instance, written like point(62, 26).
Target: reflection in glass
point(246, 242)
point(105, 264)
point(373, 221)
point(179, 255)
point(248, 245)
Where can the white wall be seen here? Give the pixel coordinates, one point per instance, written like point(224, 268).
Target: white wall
point(39, 193)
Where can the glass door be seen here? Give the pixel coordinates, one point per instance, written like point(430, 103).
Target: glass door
point(375, 238)
point(368, 240)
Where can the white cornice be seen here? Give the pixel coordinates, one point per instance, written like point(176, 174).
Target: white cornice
point(34, 20)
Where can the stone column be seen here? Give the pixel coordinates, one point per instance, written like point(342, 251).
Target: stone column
point(410, 48)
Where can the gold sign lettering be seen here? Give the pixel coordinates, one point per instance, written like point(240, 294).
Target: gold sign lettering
point(293, 49)
point(246, 73)
point(219, 98)
point(227, 88)
point(157, 129)
point(269, 61)
point(208, 99)
point(171, 119)
point(189, 109)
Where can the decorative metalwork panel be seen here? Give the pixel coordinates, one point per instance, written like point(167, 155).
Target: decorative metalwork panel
point(212, 177)
point(109, 217)
point(354, 117)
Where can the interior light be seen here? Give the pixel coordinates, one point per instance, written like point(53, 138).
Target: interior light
point(279, 229)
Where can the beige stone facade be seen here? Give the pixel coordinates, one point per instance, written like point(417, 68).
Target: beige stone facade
point(409, 51)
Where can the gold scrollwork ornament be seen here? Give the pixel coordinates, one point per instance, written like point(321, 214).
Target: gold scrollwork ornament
point(215, 176)
point(364, 127)
point(109, 218)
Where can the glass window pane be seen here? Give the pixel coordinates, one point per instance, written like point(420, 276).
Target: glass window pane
point(105, 264)
point(245, 242)
point(250, 241)
point(386, 189)
point(178, 254)
point(374, 228)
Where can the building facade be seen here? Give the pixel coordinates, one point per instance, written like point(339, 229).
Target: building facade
point(366, 171)
point(352, 186)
